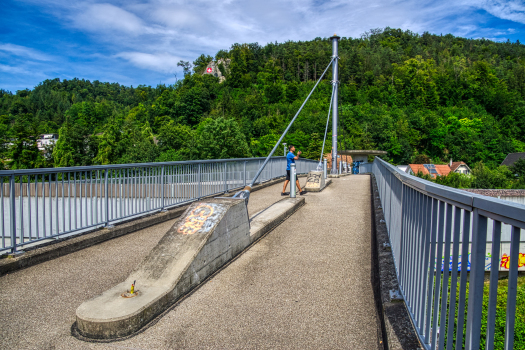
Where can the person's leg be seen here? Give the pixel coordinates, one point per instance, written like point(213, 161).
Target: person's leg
point(285, 183)
point(298, 186)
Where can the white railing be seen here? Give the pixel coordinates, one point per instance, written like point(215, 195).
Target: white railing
point(439, 242)
point(43, 204)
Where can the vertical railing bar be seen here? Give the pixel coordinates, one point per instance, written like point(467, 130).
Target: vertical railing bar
point(432, 262)
point(414, 250)
point(106, 195)
point(69, 197)
point(75, 196)
point(12, 212)
point(29, 221)
point(420, 248)
point(408, 238)
point(50, 206)
point(493, 287)
point(445, 274)
point(199, 182)
point(63, 206)
point(57, 214)
point(21, 200)
point(162, 183)
point(512, 288)
point(454, 277)
point(426, 257)
point(437, 285)
point(476, 280)
point(3, 210)
point(43, 205)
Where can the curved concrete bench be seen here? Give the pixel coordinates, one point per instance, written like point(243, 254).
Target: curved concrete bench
point(208, 234)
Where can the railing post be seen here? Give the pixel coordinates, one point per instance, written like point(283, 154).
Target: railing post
point(476, 280)
point(325, 170)
point(244, 173)
point(293, 176)
point(199, 182)
point(105, 195)
point(162, 187)
point(12, 212)
point(225, 179)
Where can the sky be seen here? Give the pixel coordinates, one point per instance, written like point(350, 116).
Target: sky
point(139, 42)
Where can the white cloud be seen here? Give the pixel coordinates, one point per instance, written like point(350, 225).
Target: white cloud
point(107, 17)
point(159, 62)
point(155, 34)
point(25, 52)
point(511, 10)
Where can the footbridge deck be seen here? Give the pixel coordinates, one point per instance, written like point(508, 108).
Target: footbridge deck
point(304, 285)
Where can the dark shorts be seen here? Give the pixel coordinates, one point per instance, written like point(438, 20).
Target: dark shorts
point(288, 175)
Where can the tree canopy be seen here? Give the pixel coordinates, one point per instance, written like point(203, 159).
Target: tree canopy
point(416, 96)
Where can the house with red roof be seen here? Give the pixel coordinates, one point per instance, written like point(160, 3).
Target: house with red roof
point(437, 169)
point(428, 169)
point(459, 167)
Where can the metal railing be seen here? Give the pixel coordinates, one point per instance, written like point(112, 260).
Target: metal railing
point(437, 235)
point(43, 204)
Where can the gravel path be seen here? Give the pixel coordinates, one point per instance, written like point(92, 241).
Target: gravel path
point(305, 285)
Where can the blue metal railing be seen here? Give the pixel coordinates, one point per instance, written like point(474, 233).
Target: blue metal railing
point(43, 204)
point(437, 234)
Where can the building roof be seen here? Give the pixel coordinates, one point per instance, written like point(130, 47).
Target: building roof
point(441, 170)
point(512, 158)
point(456, 165)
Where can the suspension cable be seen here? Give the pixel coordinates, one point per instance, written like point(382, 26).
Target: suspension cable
point(289, 125)
point(326, 128)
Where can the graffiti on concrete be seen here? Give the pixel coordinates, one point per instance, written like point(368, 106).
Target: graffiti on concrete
point(196, 219)
point(313, 178)
point(505, 261)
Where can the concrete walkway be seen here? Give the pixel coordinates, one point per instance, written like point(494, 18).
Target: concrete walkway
point(305, 285)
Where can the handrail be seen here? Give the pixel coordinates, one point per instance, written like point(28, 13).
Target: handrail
point(437, 233)
point(121, 166)
point(42, 204)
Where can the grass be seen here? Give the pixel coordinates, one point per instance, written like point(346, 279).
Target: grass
point(501, 308)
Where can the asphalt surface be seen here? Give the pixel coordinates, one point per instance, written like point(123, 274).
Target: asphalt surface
point(306, 285)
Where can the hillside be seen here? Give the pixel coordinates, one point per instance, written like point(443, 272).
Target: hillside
point(408, 94)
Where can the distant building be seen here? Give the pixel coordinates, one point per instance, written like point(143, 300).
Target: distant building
point(459, 167)
point(512, 158)
point(433, 170)
point(437, 169)
point(46, 140)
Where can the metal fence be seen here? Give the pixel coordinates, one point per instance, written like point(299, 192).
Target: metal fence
point(429, 225)
point(42, 204)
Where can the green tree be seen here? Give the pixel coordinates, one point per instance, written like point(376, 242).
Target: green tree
point(221, 138)
point(24, 152)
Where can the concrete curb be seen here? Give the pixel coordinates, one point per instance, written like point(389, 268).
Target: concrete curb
point(64, 246)
point(398, 330)
point(257, 230)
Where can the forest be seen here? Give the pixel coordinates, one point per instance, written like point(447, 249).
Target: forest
point(413, 95)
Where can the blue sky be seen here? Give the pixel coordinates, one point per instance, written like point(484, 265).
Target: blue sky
point(135, 42)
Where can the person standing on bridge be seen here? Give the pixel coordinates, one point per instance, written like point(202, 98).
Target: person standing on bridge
point(290, 158)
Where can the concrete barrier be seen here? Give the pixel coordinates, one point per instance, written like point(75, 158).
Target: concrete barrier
point(208, 235)
point(315, 182)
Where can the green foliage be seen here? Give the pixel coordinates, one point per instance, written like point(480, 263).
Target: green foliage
point(221, 138)
point(415, 96)
point(485, 177)
point(501, 315)
point(456, 180)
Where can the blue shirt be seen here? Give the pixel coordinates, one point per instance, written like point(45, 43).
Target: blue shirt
point(289, 160)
